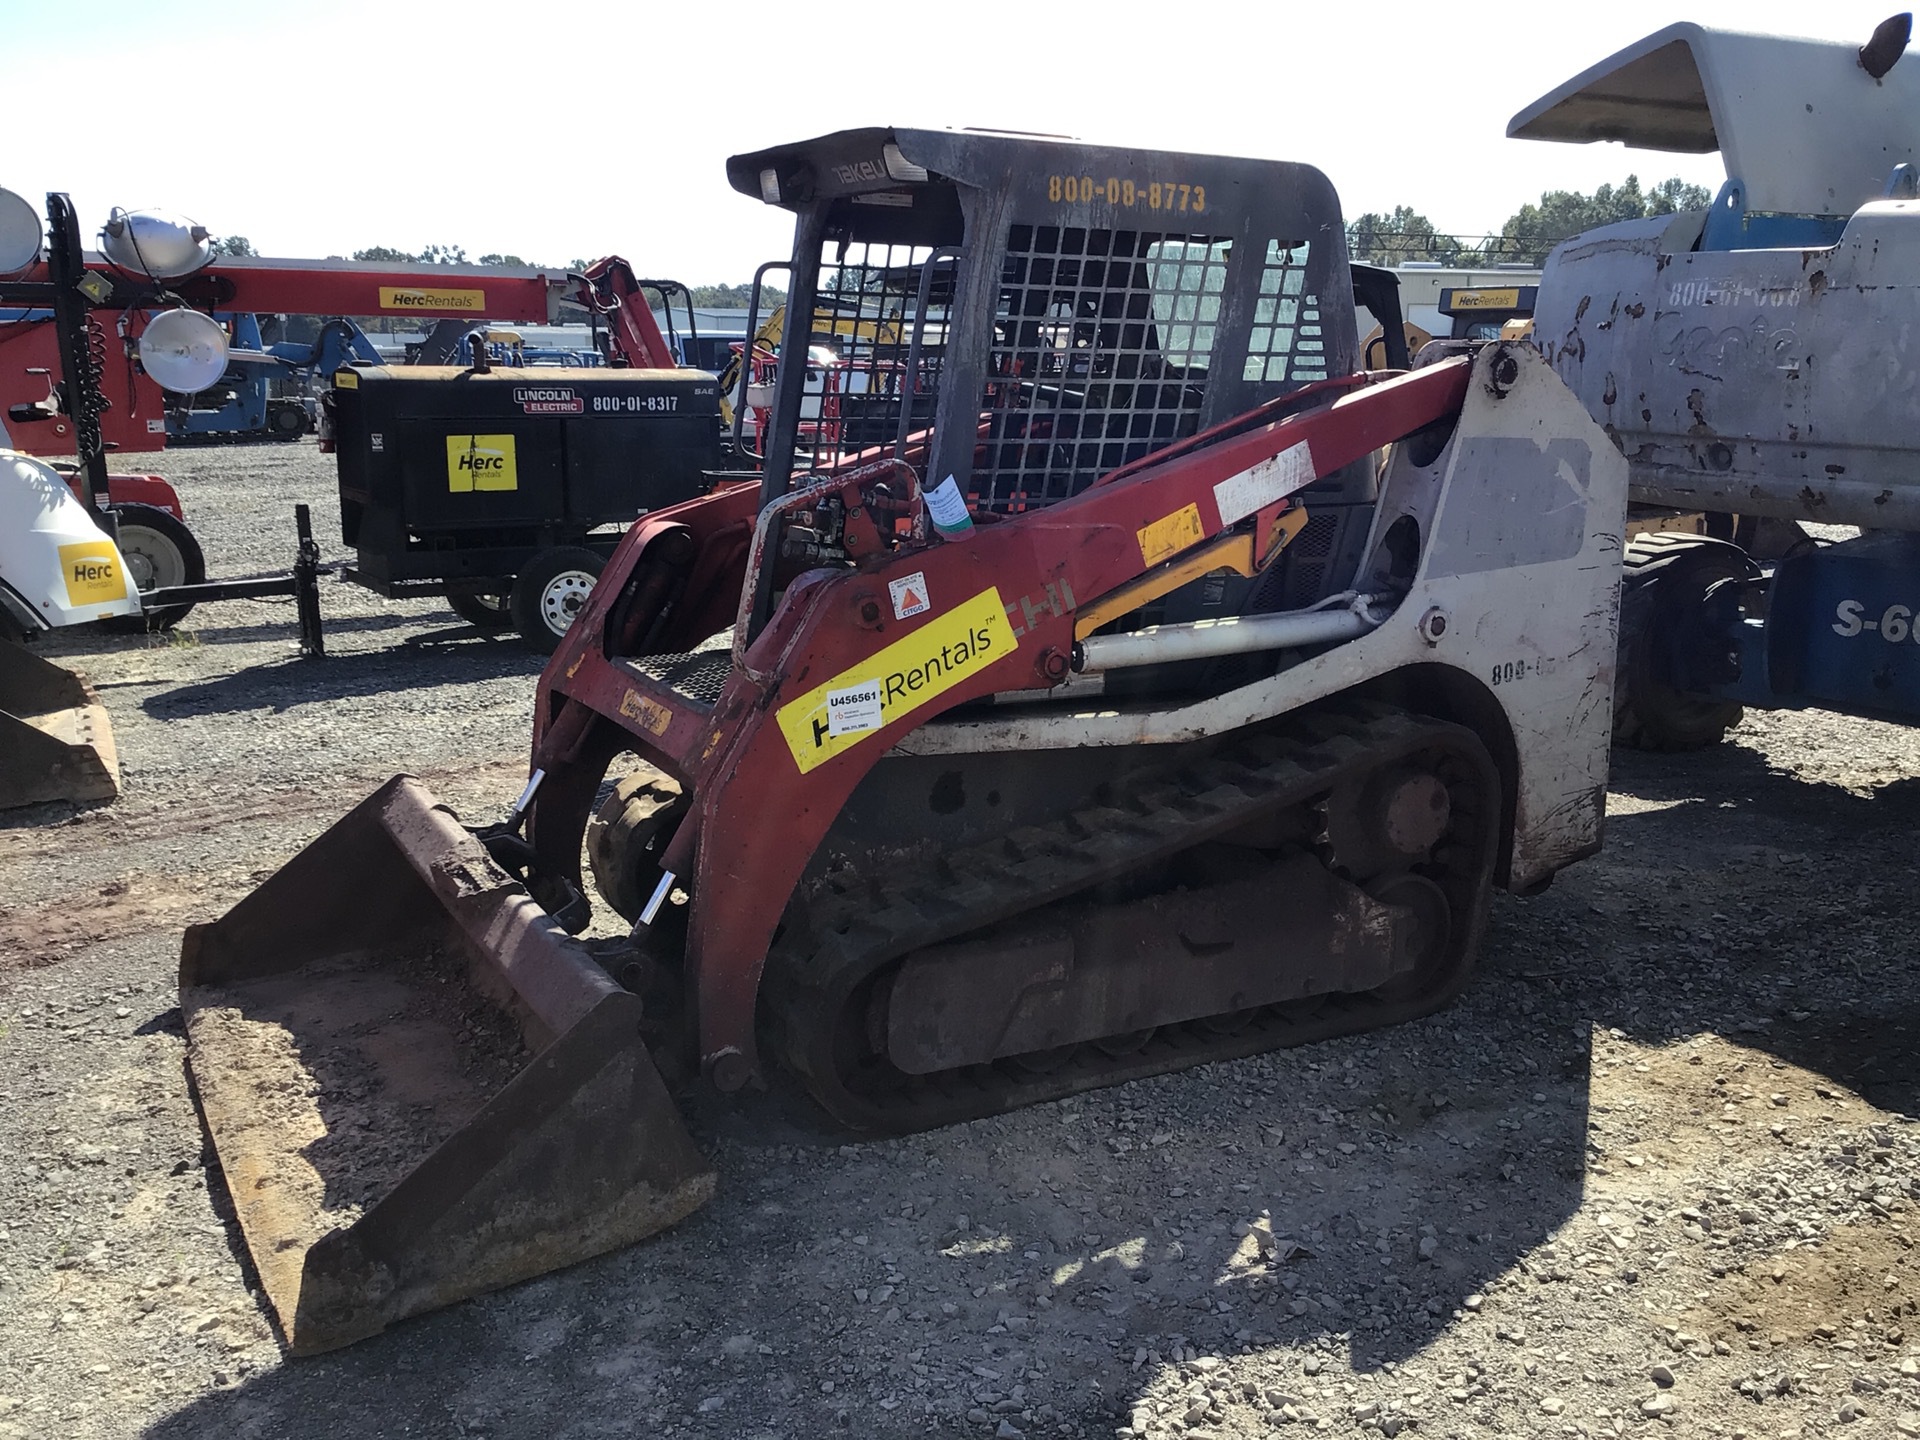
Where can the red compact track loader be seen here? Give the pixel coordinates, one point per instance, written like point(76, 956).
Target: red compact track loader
point(1111, 679)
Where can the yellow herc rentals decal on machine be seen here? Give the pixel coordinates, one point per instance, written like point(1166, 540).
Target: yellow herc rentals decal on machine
point(481, 462)
point(905, 675)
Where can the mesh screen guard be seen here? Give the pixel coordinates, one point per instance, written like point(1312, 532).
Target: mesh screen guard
point(1106, 304)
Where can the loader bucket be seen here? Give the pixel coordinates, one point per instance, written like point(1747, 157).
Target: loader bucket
point(420, 1088)
point(55, 743)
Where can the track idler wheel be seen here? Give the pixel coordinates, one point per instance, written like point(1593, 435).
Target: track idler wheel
point(628, 834)
point(1428, 935)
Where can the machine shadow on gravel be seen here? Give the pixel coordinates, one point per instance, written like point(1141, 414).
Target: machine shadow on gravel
point(409, 669)
point(1397, 1173)
point(49, 812)
point(1744, 783)
point(287, 629)
point(1806, 951)
point(1098, 1229)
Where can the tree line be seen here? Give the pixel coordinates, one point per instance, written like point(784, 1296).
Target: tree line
point(1528, 234)
point(1391, 239)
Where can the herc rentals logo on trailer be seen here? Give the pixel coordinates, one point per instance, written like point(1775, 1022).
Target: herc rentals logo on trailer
point(92, 572)
point(481, 462)
point(548, 400)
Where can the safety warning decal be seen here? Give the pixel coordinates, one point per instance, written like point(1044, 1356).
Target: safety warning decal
point(648, 711)
point(896, 680)
point(1169, 535)
point(909, 594)
point(481, 462)
point(91, 569)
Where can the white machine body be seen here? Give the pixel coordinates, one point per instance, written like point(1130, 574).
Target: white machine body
point(56, 566)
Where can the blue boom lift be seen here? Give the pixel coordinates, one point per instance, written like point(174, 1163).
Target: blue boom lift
point(268, 389)
point(1757, 364)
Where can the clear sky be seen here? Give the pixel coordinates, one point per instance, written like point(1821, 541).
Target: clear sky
point(560, 130)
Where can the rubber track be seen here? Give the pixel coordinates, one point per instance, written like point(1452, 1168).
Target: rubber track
point(849, 936)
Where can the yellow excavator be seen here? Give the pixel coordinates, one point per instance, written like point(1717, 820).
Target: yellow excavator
point(763, 346)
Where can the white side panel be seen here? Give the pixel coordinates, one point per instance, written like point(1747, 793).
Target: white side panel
point(1765, 382)
point(52, 555)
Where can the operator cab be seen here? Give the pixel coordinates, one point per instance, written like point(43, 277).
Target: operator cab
point(1029, 314)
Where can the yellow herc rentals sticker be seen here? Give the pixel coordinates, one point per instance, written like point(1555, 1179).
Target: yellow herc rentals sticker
point(395, 297)
point(1486, 299)
point(91, 569)
point(481, 462)
point(896, 680)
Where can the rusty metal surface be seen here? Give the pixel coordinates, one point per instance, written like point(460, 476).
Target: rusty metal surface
point(1286, 931)
point(1761, 382)
point(419, 1087)
point(55, 741)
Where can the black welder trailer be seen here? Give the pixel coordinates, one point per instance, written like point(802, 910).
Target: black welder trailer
point(506, 489)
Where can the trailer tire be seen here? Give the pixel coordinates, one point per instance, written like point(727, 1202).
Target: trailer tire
point(160, 552)
point(550, 592)
point(288, 422)
point(1667, 574)
point(627, 834)
point(489, 614)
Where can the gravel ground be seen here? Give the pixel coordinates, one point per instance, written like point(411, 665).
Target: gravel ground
point(1659, 1166)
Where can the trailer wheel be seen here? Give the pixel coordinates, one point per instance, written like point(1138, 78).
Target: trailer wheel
point(160, 553)
point(1668, 575)
point(487, 613)
point(550, 592)
point(287, 421)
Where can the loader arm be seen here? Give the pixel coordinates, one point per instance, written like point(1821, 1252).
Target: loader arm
point(614, 291)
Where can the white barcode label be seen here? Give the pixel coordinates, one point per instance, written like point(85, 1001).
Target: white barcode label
point(1271, 479)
